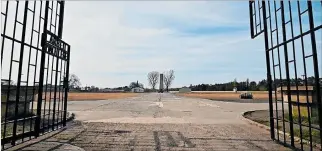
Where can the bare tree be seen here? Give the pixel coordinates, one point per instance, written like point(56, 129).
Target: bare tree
point(153, 78)
point(74, 81)
point(168, 78)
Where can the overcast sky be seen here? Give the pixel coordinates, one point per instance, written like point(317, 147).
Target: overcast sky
point(115, 43)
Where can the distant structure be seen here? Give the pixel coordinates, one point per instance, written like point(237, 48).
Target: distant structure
point(235, 89)
point(137, 90)
point(184, 90)
point(235, 84)
point(161, 83)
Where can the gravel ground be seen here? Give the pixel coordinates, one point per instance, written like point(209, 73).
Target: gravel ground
point(159, 122)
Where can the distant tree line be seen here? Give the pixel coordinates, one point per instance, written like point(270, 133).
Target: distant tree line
point(250, 85)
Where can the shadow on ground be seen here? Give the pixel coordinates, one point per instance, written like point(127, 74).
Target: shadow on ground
point(116, 136)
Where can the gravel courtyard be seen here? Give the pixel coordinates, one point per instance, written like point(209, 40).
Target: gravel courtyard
point(159, 122)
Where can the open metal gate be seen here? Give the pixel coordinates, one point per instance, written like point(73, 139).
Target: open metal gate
point(293, 34)
point(34, 70)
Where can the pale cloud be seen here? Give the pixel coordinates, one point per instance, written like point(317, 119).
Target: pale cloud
point(114, 43)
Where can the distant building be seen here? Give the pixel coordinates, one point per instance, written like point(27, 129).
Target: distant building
point(85, 88)
point(105, 90)
point(110, 90)
point(137, 90)
point(184, 90)
point(235, 89)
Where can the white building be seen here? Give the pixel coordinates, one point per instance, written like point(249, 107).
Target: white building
point(185, 90)
point(106, 90)
point(137, 90)
point(235, 89)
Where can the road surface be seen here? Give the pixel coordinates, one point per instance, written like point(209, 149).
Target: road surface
point(160, 122)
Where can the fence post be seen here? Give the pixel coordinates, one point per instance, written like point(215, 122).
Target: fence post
point(268, 70)
point(66, 85)
point(316, 68)
point(41, 72)
point(14, 131)
point(289, 99)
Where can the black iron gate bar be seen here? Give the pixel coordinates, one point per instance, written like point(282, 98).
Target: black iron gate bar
point(263, 21)
point(42, 20)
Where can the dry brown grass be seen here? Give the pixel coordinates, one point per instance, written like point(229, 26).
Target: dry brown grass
point(98, 96)
point(260, 95)
point(72, 96)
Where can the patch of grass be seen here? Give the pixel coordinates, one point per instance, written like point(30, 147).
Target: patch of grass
point(305, 131)
point(306, 134)
point(9, 128)
point(267, 123)
point(304, 119)
point(172, 144)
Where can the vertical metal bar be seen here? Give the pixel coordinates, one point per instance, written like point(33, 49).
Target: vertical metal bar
point(60, 31)
point(287, 75)
point(52, 66)
point(66, 86)
point(255, 17)
point(61, 19)
point(60, 96)
point(296, 81)
point(269, 80)
point(14, 131)
point(59, 90)
point(280, 71)
point(251, 22)
point(316, 66)
point(63, 67)
point(41, 72)
point(56, 16)
point(38, 38)
point(46, 85)
point(305, 74)
point(4, 31)
point(273, 62)
point(56, 75)
point(55, 91)
point(10, 71)
point(26, 93)
point(259, 15)
point(51, 81)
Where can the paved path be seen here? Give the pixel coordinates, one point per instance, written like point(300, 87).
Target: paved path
point(162, 108)
point(160, 122)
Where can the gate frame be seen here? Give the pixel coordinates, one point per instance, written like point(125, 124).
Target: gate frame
point(61, 47)
point(262, 9)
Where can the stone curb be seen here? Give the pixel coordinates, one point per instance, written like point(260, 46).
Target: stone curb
point(296, 139)
point(70, 117)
